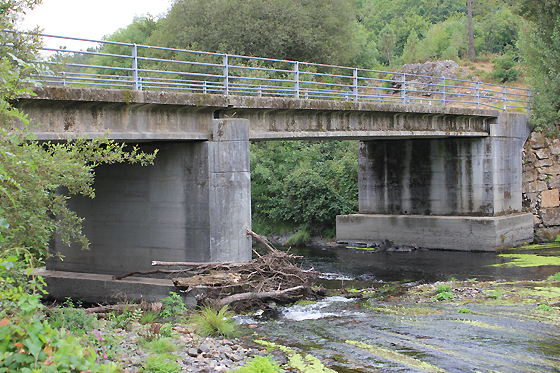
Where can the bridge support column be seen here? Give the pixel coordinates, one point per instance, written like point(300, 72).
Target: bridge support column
point(193, 204)
point(453, 193)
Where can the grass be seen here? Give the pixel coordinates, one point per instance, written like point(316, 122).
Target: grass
point(162, 346)
point(159, 364)
point(208, 321)
point(300, 238)
point(554, 277)
point(444, 295)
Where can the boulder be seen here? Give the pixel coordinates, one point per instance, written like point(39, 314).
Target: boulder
point(425, 77)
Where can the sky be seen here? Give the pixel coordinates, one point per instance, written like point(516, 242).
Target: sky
point(88, 19)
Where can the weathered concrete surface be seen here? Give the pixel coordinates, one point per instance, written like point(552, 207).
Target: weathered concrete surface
point(444, 177)
point(145, 115)
point(193, 204)
point(96, 288)
point(438, 232)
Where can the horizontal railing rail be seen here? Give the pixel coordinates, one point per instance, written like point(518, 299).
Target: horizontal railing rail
point(108, 64)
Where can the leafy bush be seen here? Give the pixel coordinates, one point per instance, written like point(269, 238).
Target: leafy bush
point(544, 307)
point(260, 364)
point(464, 310)
point(208, 321)
point(554, 277)
point(443, 288)
point(445, 295)
point(505, 69)
point(173, 306)
point(75, 320)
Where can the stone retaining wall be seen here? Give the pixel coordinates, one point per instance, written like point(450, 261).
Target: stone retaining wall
point(541, 185)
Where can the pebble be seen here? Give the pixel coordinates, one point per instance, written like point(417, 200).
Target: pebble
point(194, 353)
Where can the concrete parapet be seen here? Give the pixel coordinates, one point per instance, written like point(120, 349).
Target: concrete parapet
point(438, 232)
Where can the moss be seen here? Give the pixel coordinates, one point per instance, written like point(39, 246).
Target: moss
point(127, 96)
point(528, 260)
point(347, 105)
point(479, 324)
point(399, 310)
point(304, 364)
point(396, 357)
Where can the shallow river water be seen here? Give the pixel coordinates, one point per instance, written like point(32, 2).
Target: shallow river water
point(391, 335)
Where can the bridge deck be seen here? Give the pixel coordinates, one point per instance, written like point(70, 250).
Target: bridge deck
point(146, 116)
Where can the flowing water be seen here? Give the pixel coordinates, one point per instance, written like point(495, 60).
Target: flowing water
point(388, 335)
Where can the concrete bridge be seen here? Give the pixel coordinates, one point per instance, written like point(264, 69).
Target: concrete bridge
point(439, 177)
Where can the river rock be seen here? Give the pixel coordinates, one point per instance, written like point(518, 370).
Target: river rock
point(425, 77)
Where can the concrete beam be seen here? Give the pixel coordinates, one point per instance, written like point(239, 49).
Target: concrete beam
point(148, 116)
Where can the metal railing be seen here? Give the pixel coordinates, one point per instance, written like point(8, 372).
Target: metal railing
point(107, 64)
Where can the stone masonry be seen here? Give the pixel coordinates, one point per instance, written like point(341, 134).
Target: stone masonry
point(541, 184)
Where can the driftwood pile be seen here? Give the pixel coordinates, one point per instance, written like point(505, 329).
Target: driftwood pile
point(246, 285)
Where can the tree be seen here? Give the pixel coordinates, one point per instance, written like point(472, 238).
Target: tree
point(322, 31)
point(411, 49)
point(540, 50)
point(31, 173)
point(472, 55)
point(387, 40)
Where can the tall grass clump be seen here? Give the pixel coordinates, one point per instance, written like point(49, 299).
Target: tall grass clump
point(209, 322)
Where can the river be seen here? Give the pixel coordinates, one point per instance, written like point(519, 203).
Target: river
point(498, 330)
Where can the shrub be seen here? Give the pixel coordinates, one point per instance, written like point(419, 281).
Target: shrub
point(554, 277)
point(75, 320)
point(464, 310)
point(544, 307)
point(208, 321)
point(445, 295)
point(443, 288)
point(173, 306)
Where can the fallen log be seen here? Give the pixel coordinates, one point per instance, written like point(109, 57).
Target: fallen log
point(197, 264)
point(148, 273)
point(278, 294)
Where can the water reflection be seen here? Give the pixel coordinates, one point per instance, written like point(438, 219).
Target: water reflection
point(419, 265)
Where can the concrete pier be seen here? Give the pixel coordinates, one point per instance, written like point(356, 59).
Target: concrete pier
point(193, 204)
point(454, 193)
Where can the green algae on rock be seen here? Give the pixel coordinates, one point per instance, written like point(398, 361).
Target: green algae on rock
point(528, 260)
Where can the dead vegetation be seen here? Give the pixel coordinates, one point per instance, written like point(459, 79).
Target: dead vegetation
point(245, 285)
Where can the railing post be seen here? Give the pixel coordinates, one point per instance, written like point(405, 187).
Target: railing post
point(135, 81)
point(63, 79)
point(260, 90)
point(403, 88)
point(296, 79)
point(443, 91)
point(478, 95)
point(226, 75)
point(204, 88)
point(528, 102)
point(355, 82)
point(505, 98)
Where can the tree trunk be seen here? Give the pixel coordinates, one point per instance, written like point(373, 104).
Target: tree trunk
point(471, 33)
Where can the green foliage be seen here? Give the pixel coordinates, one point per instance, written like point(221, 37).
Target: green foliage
point(444, 295)
point(300, 238)
point(303, 184)
point(28, 343)
point(162, 346)
point(504, 69)
point(260, 364)
point(148, 317)
point(464, 310)
point(492, 294)
point(443, 288)
point(173, 306)
point(554, 277)
point(387, 42)
point(75, 320)
point(159, 364)
point(315, 31)
point(540, 49)
point(544, 307)
point(411, 52)
point(208, 321)
point(126, 318)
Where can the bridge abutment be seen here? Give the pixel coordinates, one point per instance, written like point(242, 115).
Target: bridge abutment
point(453, 193)
point(193, 204)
